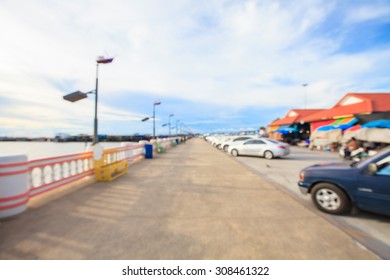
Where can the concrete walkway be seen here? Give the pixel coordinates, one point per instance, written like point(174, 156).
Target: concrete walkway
point(191, 203)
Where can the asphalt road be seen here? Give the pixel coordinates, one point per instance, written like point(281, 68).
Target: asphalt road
point(371, 230)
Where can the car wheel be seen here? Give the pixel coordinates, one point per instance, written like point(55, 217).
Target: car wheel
point(225, 148)
point(268, 155)
point(330, 199)
point(218, 146)
point(234, 153)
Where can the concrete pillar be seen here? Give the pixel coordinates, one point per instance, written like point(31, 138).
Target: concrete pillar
point(14, 185)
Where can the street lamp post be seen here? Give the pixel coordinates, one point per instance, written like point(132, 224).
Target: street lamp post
point(95, 122)
point(78, 95)
point(177, 127)
point(154, 117)
point(168, 124)
point(171, 115)
point(100, 60)
point(304, 99)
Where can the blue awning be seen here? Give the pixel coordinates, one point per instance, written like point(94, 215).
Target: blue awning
point(333, 127)
point(342, 126)
point(286, 129)
point(377, 124)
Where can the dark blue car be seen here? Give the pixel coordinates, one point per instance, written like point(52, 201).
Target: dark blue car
point(336, 187)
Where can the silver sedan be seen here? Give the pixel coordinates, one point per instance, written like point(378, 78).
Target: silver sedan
point(264, 147)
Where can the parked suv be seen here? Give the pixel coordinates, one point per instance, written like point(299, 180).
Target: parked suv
point(336, 187)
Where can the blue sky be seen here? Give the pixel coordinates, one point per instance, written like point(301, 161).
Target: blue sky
point(218, 66)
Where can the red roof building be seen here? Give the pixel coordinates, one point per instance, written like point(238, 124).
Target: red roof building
point(352, 104)
point(294, 116)
point(291, 126)
point(344, 114)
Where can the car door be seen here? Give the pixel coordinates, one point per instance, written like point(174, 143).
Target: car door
point(373, 191)
point(253, 147)
point(238, 142)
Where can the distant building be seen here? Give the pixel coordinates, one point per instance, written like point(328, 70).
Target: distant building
point(62, 137)
point(352, 110)
point(291, 126)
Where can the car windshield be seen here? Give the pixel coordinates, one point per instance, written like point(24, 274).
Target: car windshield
point(241, 139)
point(363, 160)
point(273, 141)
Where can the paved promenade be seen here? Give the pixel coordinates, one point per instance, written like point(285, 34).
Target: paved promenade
point(193, 202)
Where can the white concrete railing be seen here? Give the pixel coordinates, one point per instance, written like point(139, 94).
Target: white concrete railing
point(21, 179)
point(166, 143)
point(50, 173)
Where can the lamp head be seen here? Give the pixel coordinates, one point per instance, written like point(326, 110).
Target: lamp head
point(75, 96)
point(102, 59)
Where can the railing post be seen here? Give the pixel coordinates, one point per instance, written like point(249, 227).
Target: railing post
point(14, 185)
point(98, 160)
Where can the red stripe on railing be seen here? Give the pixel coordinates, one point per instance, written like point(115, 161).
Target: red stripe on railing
point(6, 165)
point(134, 157)
point(83, 155)
point(13, 172)
point(35, 191)
point(56, 162)
point(10, 206)
point(122, 149)
point(15, 197)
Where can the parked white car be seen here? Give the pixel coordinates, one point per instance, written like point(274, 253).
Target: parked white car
point(217, 140)
point(264, 147)
point(221, 140)
point(238, 139)
point(211, 139)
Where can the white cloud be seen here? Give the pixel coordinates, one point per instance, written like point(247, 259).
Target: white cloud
point(373, 11)
point(228, 53)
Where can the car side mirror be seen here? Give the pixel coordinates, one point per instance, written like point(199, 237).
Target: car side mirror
point(372, 168)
